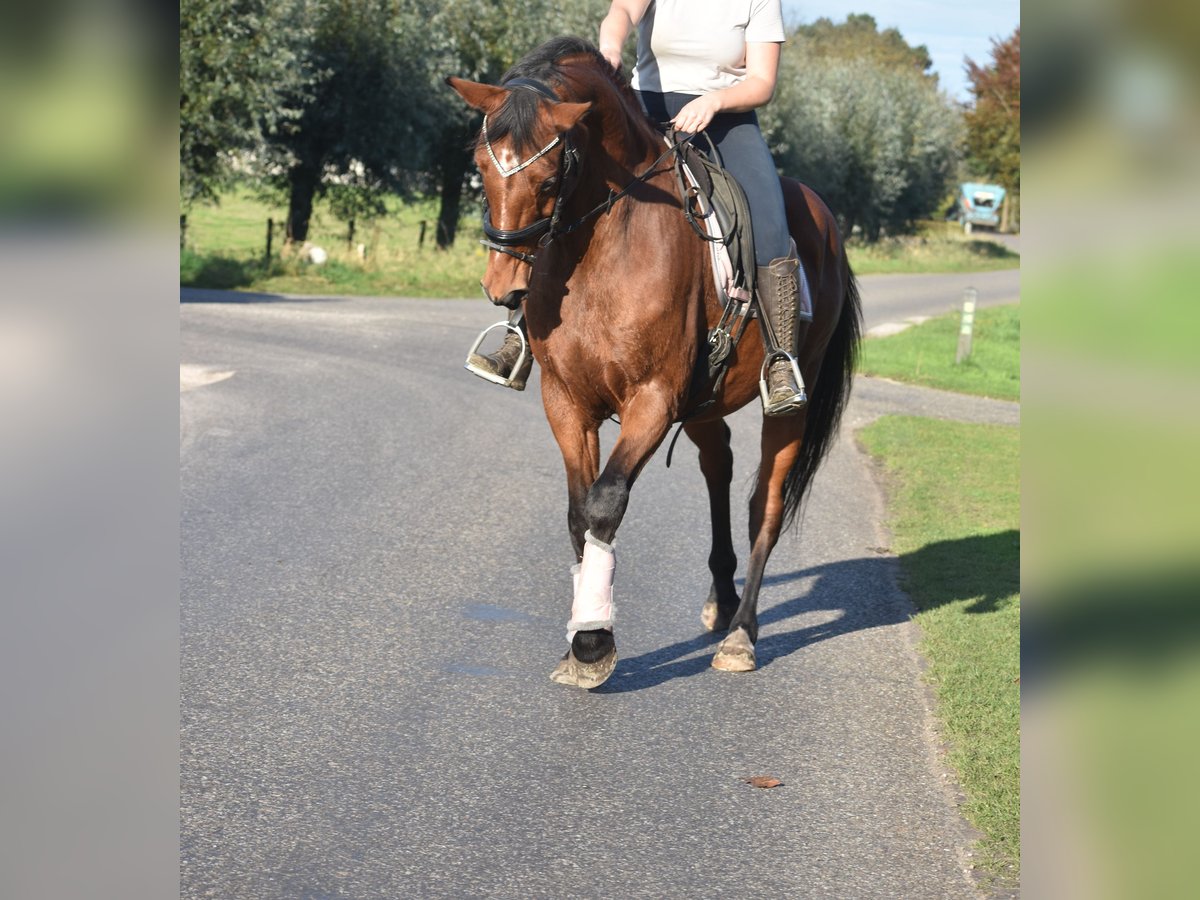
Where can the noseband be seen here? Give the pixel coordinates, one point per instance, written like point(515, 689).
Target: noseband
point(544, 230)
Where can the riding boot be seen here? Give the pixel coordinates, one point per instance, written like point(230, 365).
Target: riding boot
point(788, 312)
point(500, 364)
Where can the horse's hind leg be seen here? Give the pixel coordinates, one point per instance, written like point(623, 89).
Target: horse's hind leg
point(716, 464)
point(781, 437)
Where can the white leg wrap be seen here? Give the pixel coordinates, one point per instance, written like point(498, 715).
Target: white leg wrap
point(593, 606)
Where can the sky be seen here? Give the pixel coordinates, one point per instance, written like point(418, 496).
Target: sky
point(949, 29)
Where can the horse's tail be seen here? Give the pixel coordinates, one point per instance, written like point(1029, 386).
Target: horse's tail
point(827, 402)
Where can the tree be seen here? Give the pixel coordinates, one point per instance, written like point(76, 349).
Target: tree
point(241, 76)
point(859, 39)
point(858, 117)
point(994, 120)
point(364, 124)
point(479, 40)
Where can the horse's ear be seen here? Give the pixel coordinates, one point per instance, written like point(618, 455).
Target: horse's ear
point(484, 97)
point(565, 115)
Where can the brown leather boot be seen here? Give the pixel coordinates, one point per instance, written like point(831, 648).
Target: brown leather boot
point(498, 367)
point(779, 297)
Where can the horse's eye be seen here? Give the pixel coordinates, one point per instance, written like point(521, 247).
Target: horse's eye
point(549, 185)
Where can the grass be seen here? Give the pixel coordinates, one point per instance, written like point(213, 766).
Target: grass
point(924, 354)
point(936, 247)
point(954, 514)
point(226, 243)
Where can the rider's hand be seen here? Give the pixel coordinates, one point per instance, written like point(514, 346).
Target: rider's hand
point(698, 114)
point(613, 55)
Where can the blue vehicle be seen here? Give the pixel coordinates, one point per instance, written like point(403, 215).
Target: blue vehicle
point(979, 204)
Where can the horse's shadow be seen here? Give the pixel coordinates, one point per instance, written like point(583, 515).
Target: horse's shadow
point(848, 596)
point(868, 584)
point(189, 294)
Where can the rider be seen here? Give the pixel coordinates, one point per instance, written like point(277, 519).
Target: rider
point(705, 65)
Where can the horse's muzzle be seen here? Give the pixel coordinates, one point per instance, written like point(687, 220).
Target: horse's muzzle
point(511, 300)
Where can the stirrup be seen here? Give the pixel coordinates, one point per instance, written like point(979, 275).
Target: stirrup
point(797, 401)
point(516, 367)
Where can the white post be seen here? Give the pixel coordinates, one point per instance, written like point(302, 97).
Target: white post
point(968, 325)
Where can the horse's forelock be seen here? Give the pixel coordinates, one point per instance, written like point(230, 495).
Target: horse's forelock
point(559, 63)
point(516, 120)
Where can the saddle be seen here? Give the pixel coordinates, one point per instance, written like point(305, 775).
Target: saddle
point(716, 207)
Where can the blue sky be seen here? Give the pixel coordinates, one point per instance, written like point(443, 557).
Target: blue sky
point(950, 29)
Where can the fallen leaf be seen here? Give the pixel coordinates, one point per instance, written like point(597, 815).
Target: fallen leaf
point(763, 781)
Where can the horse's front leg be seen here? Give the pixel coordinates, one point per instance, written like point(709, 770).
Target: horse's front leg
point(593, 653)
point(577, 434)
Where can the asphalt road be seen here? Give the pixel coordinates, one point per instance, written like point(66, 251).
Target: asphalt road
point(896, 298)
point(375, 589)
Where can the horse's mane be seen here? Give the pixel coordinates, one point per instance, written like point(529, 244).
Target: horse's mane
point(548, 63)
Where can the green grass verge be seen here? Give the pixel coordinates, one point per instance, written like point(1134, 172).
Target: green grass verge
point(924, 354)
point(954, 515)
point(936, 247)
point(226, 246)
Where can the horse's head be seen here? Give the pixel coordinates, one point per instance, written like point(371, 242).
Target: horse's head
point(529, 167)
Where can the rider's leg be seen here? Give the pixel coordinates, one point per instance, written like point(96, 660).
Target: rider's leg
point(782, 291)
point(779, 294)
point(501, 363)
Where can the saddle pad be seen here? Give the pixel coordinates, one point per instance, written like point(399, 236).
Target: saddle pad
point(723, 270)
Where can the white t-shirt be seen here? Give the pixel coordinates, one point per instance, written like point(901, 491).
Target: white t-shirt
point(698, 46)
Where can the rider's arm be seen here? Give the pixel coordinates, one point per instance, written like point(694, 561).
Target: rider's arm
point(622, 16)
point(753, 91)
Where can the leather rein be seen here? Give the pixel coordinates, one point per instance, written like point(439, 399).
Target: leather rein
point(546, 229)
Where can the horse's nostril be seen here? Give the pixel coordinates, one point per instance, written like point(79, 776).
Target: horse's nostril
point(511, 300)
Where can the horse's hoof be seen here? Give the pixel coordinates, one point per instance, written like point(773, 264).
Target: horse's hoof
point(711, 618)
point(585, 675)
point(735, 653)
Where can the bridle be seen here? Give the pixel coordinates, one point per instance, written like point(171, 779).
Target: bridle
point(546, 229)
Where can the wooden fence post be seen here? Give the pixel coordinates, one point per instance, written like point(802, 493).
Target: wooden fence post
point(270, 237)
point(421, 236)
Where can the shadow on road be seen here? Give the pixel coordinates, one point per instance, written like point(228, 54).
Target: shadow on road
point(213, 295)
point(861, 593)
point(869, 580)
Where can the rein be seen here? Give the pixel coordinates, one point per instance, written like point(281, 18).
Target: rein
point(545, 230)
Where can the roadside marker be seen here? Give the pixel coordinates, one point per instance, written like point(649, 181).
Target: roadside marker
point(968, 325)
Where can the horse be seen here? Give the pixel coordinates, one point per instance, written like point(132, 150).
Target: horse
point(588, 235)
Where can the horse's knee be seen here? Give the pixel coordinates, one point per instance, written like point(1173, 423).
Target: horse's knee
point(605, 507)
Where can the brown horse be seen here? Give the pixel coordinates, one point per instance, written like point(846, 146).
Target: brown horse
point(587, 232)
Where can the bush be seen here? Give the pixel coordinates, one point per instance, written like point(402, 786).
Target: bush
point(879, 144)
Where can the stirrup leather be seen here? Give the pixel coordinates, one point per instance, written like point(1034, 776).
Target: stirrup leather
point(516, 367)
point(797, 400)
